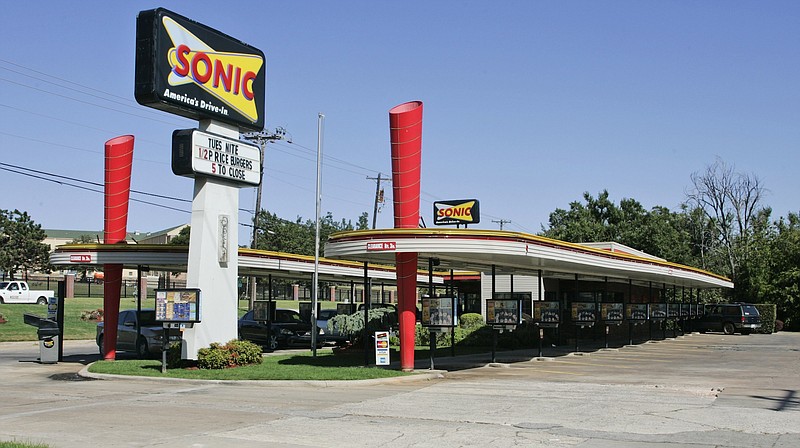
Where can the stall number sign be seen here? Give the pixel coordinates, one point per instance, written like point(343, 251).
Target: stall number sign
point(197, 152)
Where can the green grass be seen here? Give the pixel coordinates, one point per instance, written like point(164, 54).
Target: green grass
point(75, 328)
point(15, 444)
point(326, 366)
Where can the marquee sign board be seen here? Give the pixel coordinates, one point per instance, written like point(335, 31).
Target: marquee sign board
point(189, 69)
point(197, 152)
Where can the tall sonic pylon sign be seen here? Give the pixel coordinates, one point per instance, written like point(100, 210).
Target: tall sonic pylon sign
point(405, 126)
point(118, 168)
point(189, 69)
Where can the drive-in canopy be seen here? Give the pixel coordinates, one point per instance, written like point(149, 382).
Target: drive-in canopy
point(514, 253)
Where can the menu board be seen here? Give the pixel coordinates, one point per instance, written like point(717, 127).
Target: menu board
point(546, 312)
point(636, 311)
point(439, 312)
point(177, 305)
point(611, 311)
point(584, 312)
point(674, 310)
point(503, 312)
point(658, 310)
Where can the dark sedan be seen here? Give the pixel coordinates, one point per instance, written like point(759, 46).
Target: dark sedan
point(148, 340)
point(288, 329)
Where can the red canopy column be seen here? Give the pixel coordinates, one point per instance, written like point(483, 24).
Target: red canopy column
point(119, 161)
point(405, 123)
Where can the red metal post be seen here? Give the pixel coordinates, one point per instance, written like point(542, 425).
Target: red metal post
point(118, 163)
point(405, 123)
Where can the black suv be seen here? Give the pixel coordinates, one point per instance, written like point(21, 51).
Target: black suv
point(729, 318)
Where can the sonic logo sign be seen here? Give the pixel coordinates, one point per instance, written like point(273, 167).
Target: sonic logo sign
point(189, 69)
point(464, 211)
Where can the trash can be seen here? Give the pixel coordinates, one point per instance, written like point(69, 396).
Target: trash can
point(48, 333)
point(48, 345)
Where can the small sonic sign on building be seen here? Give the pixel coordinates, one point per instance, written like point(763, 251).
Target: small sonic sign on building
point(464, 211)
point(189, 69)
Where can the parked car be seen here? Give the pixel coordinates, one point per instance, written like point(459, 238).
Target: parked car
point(288, 329)
point(729, 318)
point(148, 341)
point(329, 334)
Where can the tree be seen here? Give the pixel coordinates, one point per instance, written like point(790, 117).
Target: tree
point(296, 237)
point(659, 232)
point(21, 247)
point(731, 201)
point(182, 238)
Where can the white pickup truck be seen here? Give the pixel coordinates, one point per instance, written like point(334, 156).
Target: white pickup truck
point(19, 292)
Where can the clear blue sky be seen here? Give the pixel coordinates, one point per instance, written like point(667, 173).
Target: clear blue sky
point(527, 104)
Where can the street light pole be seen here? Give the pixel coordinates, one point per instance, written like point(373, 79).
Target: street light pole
point(315, 294)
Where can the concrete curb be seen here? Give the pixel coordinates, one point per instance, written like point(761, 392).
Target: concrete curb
point(430, 375)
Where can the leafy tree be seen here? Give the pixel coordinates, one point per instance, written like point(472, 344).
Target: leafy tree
point(297, 237)
point(363, 221)
point(182, 238)
point(21, 246)
point(775, 278)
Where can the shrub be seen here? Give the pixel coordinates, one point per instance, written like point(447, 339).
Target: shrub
point(233, 354)
point(767, 312)
point(352, 325)
point(213, 357)
point(470, 321)
point(244, 352)
point(174, 354)
point(778, 325)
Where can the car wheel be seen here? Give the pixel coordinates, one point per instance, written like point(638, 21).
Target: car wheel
point(2, 301)
point(41, 301)
point(728, 328)
point(273, 342)
point(141, 348)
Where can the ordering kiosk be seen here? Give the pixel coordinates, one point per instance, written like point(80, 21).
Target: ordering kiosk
point(546, 314)
point(611, 314)
point(584, 314)
point(635, 314)
point(176, 309)
point(502, 315)
point(438, 316)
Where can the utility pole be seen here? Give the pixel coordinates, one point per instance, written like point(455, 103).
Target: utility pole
point(501, 222)
point(378, 197)
point(261, 139)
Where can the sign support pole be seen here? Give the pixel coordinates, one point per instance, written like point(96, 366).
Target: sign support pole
point(213, 256)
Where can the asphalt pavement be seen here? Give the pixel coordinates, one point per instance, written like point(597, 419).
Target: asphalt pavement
point(698, 390)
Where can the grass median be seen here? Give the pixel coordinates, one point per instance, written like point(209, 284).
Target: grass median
point(323, 367)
